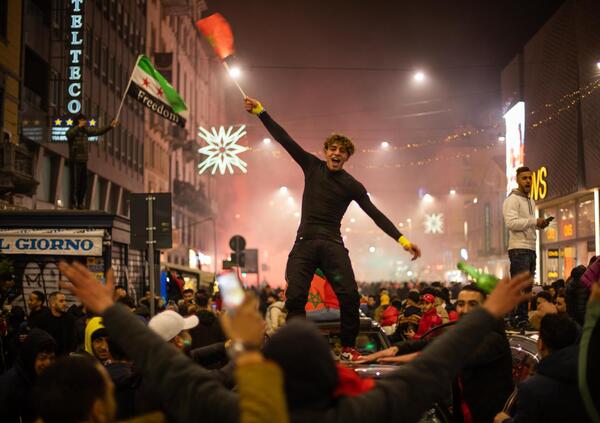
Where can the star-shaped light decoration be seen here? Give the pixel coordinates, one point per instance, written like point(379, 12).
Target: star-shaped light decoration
point(69, 122)
point(222, 150)
point(58, 122)
point(92, 122)
point(434, 223)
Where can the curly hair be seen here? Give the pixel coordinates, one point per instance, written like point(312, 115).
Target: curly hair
point(340, 139)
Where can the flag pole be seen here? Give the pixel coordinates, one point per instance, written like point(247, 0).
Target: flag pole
point(127, 88)
point(234, 81)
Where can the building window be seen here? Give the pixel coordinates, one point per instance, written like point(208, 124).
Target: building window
point(3, 19)
point(89, 46)
point(111, 71)
point(104, 63)
point(97, 56)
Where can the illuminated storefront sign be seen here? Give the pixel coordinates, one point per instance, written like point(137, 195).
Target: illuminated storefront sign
point(75, 59)
point(515, 142)
point(553, 253)
point(539, 186)
point(72, 242)
point(60, 126)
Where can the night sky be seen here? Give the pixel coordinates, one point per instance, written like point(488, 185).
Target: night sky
point(346, 66)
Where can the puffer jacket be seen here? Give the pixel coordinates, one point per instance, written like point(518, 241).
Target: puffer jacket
point(519, 217)
point(78, 141)
point(576, 295)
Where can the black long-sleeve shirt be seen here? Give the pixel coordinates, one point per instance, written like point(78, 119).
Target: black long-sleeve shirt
point(327, 194)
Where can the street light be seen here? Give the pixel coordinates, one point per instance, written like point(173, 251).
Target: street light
point(371, 249)
point(283, 190)
point(419, 76)
point(235, 72)
point(267, 141)
point(452, 192)
point(428, 198)
point(385, 144)
point(475, 200)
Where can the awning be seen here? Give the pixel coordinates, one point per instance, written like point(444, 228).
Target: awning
point(66, 242)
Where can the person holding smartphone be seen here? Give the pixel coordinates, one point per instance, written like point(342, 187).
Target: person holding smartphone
point(328, 191)
point(519, 217)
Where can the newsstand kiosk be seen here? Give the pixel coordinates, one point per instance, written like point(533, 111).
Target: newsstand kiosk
point(34, 241)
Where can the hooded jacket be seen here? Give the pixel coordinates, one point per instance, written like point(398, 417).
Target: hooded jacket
point(519, 217)
point(93, 326)
point(552, 395)
point(208, 331)
point(16, 384)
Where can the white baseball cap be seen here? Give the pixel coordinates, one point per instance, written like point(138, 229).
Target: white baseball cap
point(169, 324)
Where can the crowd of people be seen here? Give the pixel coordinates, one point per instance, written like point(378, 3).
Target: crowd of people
point(105, 359)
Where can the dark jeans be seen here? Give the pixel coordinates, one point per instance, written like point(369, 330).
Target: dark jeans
point(332, 258)
point(79, 183)
point(521, 260)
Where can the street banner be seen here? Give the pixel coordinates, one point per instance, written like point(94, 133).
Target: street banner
point(66, 242)
point(151, 89)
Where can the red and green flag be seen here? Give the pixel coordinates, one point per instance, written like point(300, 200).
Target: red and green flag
point(217, 31)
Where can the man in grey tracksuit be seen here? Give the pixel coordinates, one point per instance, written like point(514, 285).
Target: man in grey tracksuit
point(519, 217)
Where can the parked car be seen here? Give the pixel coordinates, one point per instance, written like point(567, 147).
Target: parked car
point(371, 338)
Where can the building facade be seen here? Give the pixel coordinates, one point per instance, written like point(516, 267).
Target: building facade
point(551, 90)
point(171, 158)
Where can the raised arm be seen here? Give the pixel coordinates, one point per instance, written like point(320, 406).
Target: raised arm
point(386, 224)
point(300, 156)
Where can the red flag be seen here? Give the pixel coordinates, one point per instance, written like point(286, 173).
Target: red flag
point(217, 31)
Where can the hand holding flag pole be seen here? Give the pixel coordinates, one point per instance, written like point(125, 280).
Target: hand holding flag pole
point(217, 31)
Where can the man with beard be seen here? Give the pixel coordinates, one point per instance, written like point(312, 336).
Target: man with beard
point(58, 323)
point(519, 215)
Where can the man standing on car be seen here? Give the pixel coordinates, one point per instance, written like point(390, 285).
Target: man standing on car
point(328, 191)
point(519, 217)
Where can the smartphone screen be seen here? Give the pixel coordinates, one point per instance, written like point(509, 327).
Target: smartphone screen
point(231, 290)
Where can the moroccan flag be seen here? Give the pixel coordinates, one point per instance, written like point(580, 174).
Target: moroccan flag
point(321, 294)
point(152, 90)
point(217, 31)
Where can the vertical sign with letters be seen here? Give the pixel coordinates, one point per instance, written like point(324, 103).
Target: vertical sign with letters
point(75, 59)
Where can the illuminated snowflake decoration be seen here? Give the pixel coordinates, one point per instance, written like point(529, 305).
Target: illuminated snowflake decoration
point(434, 223)
point(222, 150)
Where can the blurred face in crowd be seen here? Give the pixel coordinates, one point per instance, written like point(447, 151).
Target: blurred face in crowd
point(33, 302)
point(100, 348)
point(120, 292)
point(561, 305)
point(409, 333)
point(43, 360)
point(468, 301)
point(188, 296)
point(371, 301)
point(427, 306)
point(539, 301)
point(59, 304)
point(552, 291)
point(524, 182)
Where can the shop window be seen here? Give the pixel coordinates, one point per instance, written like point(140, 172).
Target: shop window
point(551, 232)
point(566, 221)
point(585, 216)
